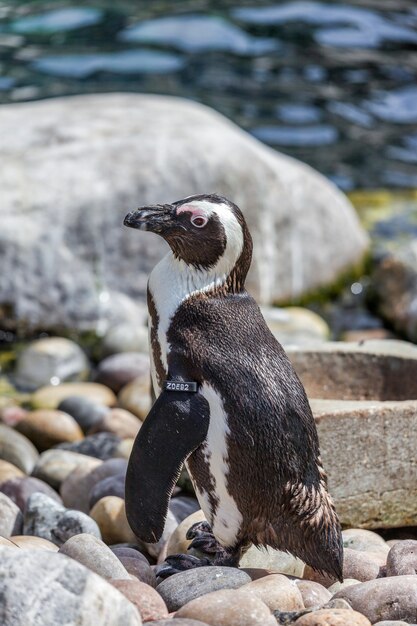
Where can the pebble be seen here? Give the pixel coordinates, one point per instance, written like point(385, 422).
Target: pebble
point(179, 622)
point(11, 519)
point(139, 569)
point(193, 583)
point(347, 582)
point(136, 397)
point(101, 446)
point(51, 357)
point(75, 488)
point(183, 506)
point(8, 543)
point(119, 422)
point(20, 489)
point(275, 560)
point(126, 550)
point(110, 486)
point(148, 602)
point(391, 623)
point(54, 466)
point(46, 428)
point(49, 397)
point(118, 370)
point(8, 470)
point(125, 337)
point(110, 515)
point(228, 607)
point(52, 590)
point(363, 540)
point(384, 599)
point(46, 518)
point(17, 449)
point(402, 558)
point(359, 565)
point(85, 412)
point(333, 617)
point(33, 543)
point(276, 591)
point(124, 449)
point(94, 554)
point(313, 593)
point(178, 543)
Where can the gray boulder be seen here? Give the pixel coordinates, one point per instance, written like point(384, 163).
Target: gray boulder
point(43, 588)
point(83, 162)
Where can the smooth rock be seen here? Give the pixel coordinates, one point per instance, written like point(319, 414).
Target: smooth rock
point(110, 486)
point(51, 589)
point(148, 602)
point(228, 607)
point(347, 582)
point(75, 488)
point(51, 357)
point(295, 325)
point(94, 554)
point(118, 370)
point(8, 543)
point(119, 422)
point(193, 583)
point(183, 506)
point(127, 550)
point(85, 412)
point(384, 599)
point(124, 449)
point(357, 565)
point(306, 240)
point(276, 591)
point(402, 558)
point(394, 286)
point(8, 470)
point(178, 543)
point(31, 542)
point(17, 449)
point(20, 489)
point(179, 622)
point(275, 560)
point(136, 397)
point(364, 540)
point(50, 396)
point(11, 519)
point(101, 445)
point(139, 569)
point(46, 428)
point(54, 466)
point(127, 336)
point(391, 623)
point(333, 617)
point(110, 515)
point(313, 593)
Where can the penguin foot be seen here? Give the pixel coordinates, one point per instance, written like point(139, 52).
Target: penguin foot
point(203, 539)
point(176, 563)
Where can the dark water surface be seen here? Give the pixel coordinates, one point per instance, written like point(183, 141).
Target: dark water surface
point(331, 83)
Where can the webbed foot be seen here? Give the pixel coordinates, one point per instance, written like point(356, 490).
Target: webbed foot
point(176, 563)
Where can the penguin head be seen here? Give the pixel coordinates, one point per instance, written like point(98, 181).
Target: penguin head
point(205, 231)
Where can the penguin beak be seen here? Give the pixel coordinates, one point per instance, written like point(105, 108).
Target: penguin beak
point(156, 219)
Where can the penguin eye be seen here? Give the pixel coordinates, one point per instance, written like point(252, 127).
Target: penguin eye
point(199, 221)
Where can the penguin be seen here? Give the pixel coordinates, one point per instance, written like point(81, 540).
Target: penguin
point(229, 404)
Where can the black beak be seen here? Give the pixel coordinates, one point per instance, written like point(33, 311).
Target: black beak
point(156, 219)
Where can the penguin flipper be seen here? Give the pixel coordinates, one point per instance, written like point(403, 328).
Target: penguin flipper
point(175, 426)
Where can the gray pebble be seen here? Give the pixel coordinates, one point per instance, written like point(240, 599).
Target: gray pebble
point(179, 621)
point(100, 445)
point(85, 412)
point(193, 583)
point(140, 570)
point(11, 519)
point(17, 449)
point(392, 623)
point(74, 523)
point(118, 370)
point(20, 489)
point(125, 550)
point(110, 486)
point(183, 506)
point(94, 554)
point(402, 558)
point(53, 466)
point(39, 587)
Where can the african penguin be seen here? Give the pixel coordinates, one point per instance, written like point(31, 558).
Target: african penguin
point(229, 403)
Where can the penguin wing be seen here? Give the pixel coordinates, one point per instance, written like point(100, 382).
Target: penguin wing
point(175, 426)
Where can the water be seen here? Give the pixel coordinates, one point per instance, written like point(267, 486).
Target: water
point(331, 83)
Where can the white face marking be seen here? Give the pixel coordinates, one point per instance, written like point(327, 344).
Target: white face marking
point(216, 455)
point(172, 281)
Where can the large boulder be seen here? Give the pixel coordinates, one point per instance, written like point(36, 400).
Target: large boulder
point(72, 167)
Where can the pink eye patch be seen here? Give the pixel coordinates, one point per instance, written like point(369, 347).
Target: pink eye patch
point(195, 211)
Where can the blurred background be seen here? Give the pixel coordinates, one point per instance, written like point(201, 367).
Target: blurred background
point(331, 83)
